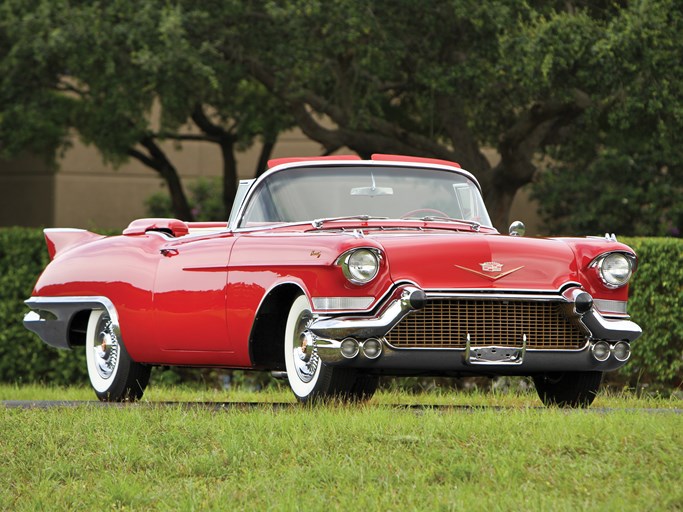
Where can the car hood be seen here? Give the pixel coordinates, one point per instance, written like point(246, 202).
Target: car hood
point(478, 261)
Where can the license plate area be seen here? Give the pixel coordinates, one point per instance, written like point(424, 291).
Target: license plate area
point(495, 355)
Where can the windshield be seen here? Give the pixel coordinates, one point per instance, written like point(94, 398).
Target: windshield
point(305, 193)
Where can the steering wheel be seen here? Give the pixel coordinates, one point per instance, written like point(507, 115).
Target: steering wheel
point(427, 211)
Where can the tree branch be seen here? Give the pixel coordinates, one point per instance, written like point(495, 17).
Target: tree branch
point(204, 123)
point(185, 137)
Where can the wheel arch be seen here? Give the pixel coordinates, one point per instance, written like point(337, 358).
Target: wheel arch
point(267, 335)
point(78, 327)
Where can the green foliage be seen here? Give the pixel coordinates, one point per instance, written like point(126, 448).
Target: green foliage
point(125, 77)
point(205, 199)
point(635, 195)
point(23, 356)
point(656, 304)
point(622, 168)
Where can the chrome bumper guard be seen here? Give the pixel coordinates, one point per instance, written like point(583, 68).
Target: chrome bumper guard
point(326, 335)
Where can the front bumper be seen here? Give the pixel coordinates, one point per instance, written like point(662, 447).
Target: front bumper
point(333, 339)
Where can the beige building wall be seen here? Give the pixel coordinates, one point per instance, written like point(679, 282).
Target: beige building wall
point(27, 192)
point(86, 193)
point(90, 194)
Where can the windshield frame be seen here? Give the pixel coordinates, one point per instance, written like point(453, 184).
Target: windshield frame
point(236, 220)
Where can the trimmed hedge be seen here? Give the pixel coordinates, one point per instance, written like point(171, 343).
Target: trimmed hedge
point(23, 356)
point(656, 304)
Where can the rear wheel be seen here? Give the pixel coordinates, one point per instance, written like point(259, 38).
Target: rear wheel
point(309, 378)
point(568, 389)
point(114, 376)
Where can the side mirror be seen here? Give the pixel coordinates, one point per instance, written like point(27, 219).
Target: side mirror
point(517, 228)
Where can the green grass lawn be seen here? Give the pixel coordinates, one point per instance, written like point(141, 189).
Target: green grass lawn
point(501, 452)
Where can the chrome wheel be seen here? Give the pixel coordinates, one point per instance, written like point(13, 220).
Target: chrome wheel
point(113, 374)
point(106, 352)
point(102, 351)
point(303, 364)
point(309, 377)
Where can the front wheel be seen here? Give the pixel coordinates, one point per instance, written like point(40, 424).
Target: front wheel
point(568, 389)
point(309, 378)
point(114, 376)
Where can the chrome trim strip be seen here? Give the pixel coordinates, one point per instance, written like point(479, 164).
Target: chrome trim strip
point(499, 296)
point(488, 292)
point(456, 349)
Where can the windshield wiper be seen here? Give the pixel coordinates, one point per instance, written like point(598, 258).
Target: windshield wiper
point(474, 224)
point(318, 223)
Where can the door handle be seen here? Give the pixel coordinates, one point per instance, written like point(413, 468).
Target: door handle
point(169, 252)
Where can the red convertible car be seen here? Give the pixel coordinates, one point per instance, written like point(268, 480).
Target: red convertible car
point(335, 271)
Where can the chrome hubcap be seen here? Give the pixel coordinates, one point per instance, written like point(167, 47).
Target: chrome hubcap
point(305, 361)
point(106, 349)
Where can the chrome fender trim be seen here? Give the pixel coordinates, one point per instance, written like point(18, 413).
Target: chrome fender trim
point(50, 317)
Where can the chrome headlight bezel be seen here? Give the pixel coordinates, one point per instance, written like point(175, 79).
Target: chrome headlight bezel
point(605, 266)
point(353, 260)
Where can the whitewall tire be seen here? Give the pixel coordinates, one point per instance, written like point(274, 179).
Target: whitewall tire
point(114, 376)
point(309, 378)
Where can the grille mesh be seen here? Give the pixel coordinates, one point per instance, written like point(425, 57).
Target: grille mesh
point(445, 323)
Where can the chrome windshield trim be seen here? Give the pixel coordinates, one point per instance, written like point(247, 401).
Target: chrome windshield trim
point(239, 213)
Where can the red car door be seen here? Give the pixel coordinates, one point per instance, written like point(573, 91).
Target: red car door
point(190, 295)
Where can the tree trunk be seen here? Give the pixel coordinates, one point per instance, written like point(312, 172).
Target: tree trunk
point(498, 202)
point(229, 172)
point(266, 152)
point(157, 160)
point(181, 207)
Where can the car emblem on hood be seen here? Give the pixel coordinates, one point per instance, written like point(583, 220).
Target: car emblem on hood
point(491, 266)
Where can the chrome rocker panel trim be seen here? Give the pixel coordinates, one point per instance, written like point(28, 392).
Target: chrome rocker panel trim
point(55, 331)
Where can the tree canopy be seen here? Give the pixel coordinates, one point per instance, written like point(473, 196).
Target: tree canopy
point(103, 69)
point(571, 88)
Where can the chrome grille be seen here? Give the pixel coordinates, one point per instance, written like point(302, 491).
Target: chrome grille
point(445, 323)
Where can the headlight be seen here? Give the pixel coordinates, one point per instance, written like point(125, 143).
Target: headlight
point(360, 266)
point(615, 269)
